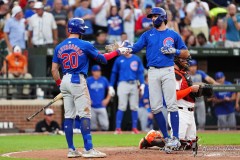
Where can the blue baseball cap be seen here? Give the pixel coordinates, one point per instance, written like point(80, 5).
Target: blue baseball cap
point(192, 62)
point(96, 68)
point(219, 75)
point(148, 6)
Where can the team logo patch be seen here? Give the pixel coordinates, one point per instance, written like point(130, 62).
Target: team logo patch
point(134, 65)
point(168, 42)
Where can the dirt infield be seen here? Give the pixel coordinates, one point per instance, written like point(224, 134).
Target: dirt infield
point(133, 153)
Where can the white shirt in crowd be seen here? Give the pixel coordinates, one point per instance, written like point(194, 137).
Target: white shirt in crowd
point(199, 18)
point(129, 25)
point(101, 16)
point(42, 28)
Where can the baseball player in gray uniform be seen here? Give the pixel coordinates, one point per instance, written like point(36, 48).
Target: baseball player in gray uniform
point(197, 78)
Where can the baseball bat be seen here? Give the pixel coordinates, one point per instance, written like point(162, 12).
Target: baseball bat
point(59, 96)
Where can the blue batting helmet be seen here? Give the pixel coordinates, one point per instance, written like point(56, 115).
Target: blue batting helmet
point(76, 26)
point(162, 17)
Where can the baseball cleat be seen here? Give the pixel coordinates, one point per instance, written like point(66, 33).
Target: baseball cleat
point(93, 153)
point(172, 144)
point(135, 131)
point(118, 131)
point(73, 153)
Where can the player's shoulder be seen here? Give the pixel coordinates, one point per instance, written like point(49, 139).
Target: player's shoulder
point(89, 79)
point(104, 78)
point(173, 32)
point(200, 72)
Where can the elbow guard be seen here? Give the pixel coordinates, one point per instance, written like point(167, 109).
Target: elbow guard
point(101, 59)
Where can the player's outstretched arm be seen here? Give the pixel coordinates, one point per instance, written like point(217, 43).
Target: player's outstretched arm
point(184, 53)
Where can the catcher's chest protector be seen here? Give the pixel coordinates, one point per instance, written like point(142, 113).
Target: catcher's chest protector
point(186, 82)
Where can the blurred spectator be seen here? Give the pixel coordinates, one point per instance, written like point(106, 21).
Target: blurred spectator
point(4, 8)
point(17, 68)
point(129, 22)
point(30, 9)
point(171, 24)
point(202, 41)
point(61, 19)
point(191, 41)
point(145, 3)
point(232, 26)
point(186, 32)
point(169, 5)
point(87, 15)
point(197, 12)
point(14, 29)
point(198, 77)
point(101, 38)
point(124, 37)
point(224, 105)
point(101, 9)
point(115, 25)
point(50, 5)
point(42, 28)
point(218, 33)
point(47, 125)
point(100, 97)
point(179, 4)
point(143, 23)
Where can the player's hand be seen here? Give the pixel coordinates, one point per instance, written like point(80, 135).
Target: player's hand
point(195, 88)
point(111, 91)
point(169, 50)
point(105, 102)
point(142, 89)
point(124, 51)
point(227, 99)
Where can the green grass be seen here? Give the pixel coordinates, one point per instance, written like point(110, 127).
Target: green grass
point(42, 142)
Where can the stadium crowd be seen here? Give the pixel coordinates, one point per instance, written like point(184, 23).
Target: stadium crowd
point(43, 23)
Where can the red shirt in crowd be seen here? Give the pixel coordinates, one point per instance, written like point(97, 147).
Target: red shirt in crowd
point(218, 34)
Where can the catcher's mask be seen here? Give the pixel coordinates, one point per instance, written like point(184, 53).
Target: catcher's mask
point(182, 63)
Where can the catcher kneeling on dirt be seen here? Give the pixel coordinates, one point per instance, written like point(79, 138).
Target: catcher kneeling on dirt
point(186, 93)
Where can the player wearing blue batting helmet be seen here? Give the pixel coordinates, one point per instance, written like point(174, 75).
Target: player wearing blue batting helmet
point(76, 26)
point(161, 16)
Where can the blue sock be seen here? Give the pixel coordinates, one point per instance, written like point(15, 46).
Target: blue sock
point(68, 128)
point(149, 123)
point(174, 117)
point(134, 119)
point(161, 123)
point(87, 137)
point(119, 118)
point(77, 123)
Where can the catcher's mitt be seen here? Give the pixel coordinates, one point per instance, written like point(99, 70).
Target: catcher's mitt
point(205, 90)
point(153, 138)
point(112, 47)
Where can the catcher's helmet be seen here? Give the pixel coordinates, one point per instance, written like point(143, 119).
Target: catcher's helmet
point(76, 26)
point(181, 62)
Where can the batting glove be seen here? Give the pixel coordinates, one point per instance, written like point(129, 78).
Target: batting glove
point(111, 91)
point(124, 51)
point(142, 89)
point(170, 50)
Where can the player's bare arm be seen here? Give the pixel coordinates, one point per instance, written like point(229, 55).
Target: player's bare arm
point(55, 73)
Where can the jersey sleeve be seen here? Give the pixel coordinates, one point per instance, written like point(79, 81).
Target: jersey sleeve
point(202, 73)
point(179, 42)
point(92, 51)
point(140, 44)
point(55, 56)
